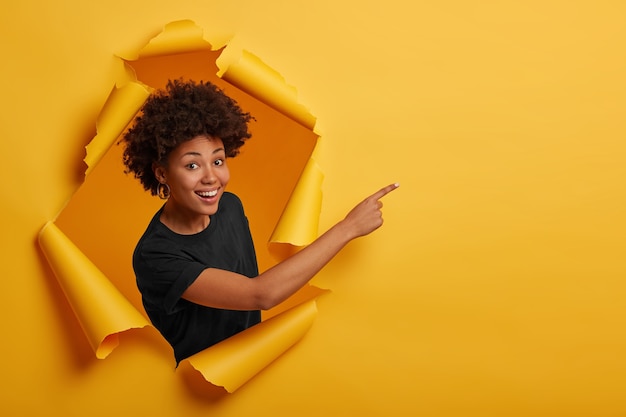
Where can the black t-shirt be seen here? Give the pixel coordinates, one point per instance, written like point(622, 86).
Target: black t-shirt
point(166, 263)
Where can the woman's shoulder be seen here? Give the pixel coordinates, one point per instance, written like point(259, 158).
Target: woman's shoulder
point(155, 233)
point(230, 201)
point(231, 197)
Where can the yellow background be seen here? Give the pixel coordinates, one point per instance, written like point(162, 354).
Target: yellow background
point(496, 286)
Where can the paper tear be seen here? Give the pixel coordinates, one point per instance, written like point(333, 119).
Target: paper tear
point(175, 38)
point(101, 309)
point(234, 361)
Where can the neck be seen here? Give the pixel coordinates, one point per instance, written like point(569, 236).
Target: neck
point(182, 222)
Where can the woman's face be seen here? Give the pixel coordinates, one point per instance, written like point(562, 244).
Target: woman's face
point(197, 175)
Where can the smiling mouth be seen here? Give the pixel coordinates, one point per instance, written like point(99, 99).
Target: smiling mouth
point(207, 194)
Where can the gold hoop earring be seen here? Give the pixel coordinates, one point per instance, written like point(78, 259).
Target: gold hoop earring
point(163, 191)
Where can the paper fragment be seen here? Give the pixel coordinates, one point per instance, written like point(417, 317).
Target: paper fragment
point(121, 106)
point(234, 361)
point(103, 312)
point(298, 225)
point(175, 38)
point(253, 76)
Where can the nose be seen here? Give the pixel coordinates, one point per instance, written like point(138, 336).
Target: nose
point(208, 176)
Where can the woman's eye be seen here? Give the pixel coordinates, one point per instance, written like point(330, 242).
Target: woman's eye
point(192, 165)
point(219, 162)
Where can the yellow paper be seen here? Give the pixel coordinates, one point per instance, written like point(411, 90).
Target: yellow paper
point(498, 276)
point(236, 360)
point(102, 310)
point(177, 37)
point(298, 225)
point(260, 81)
point(119, 109)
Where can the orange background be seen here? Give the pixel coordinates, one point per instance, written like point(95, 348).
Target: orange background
point(496, 286)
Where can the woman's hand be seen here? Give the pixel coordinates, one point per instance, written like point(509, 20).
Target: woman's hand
point(367, 216)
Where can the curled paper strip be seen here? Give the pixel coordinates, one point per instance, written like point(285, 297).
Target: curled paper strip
point(119, 109)
point(102, 310)
point(260, 81)
point(298, 225)
point(233, 362)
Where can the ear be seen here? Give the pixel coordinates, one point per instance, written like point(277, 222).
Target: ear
point(159, 173)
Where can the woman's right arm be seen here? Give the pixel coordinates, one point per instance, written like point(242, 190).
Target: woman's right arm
point(228, 290)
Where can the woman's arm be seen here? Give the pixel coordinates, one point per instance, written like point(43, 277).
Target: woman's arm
point(228, 290)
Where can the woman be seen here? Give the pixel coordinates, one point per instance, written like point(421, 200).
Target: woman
point(195, 264)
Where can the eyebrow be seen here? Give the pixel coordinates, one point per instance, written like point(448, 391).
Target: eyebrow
point(194, 153)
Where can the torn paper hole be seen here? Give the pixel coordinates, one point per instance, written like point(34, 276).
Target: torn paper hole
point(105, 217)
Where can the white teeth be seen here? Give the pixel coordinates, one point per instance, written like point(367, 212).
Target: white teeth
point(207, 193)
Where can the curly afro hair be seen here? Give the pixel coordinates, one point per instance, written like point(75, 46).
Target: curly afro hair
point(181, 112)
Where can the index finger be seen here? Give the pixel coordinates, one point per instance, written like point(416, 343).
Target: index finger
point(384, 191)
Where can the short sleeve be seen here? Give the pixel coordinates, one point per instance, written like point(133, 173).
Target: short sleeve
point(163, 277)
